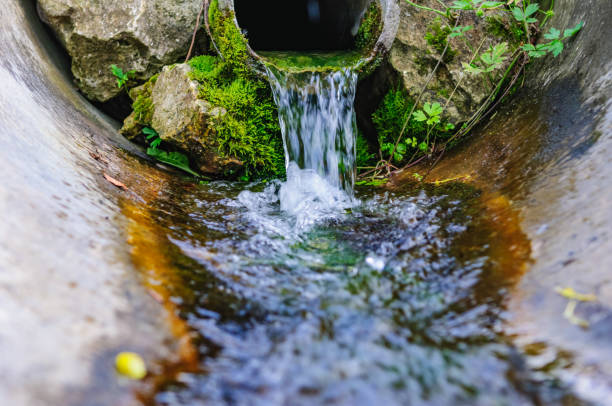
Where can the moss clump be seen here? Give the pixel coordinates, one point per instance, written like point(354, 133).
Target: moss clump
point(143, 103)
point(292, 61)
point(391, 115)
point(511, 31)
point(249, 131)
point(229, 40)
point(370, 28)
point(365, 157)
point(437, 37)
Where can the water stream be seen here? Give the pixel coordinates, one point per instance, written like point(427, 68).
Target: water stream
point(307, 292)
point(318, 124)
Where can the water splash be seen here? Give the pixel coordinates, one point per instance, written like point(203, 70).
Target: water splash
point(317, 120)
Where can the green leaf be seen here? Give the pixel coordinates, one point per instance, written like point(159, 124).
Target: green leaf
point(491, 4)
point(387, 147)
point(553, 34)
point(532, 9)
point(155, 143)
point(419, 115)
point(474, 70)
point(518, 13)
point(556, 47)
point(531, 20)
point(462, 5)
point(570, 32)
point(423, 146)
point(401, 148)
point(494, 57)
point(149, 132)
point(436, 109)
point(433, 120)
point(117, 71)
point(175, 159)
point(460, 31)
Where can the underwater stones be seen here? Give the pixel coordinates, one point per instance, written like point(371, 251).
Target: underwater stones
point(136, 35)
point(186, 122)
point(413, 58)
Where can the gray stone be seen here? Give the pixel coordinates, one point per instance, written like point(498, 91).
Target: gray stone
point(187, 122)
point(139, 35)
point(413, 59)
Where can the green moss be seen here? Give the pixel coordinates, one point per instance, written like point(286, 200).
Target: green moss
point(370, 28)
point(365, 157)
point(389, 120)
point(249, 131)
point(230, 41)
point(291, 61)
point(391, 115)
point(508, 30)
point(437, 37)
point(143, 104)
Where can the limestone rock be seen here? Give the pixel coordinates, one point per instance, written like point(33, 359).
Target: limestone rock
point(413, 58)
point(139, 35)
point(186, 122)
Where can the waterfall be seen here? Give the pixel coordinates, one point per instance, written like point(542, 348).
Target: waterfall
point(317, 120)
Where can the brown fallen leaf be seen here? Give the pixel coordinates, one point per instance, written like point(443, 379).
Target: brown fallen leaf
point(115, 182)
point(158, 297)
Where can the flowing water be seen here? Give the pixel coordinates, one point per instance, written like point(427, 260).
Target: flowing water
point(317, 120)
point(302, 293)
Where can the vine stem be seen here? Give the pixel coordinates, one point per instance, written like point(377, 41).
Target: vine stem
point(431, 75)
point(552, 6)
point(195, 30)
point(445, 15)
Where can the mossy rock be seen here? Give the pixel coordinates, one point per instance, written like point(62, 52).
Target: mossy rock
point(421, 39)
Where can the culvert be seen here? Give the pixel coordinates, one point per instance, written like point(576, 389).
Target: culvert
point(310, 25)
point(69, 302)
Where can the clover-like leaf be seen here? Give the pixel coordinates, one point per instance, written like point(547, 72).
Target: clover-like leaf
point(419, 115)
point(570, 32)
point(531, 9)
point(472, 69)
point(553, 34)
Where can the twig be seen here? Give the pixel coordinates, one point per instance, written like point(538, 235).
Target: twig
point(195, 30)
point(445, 15)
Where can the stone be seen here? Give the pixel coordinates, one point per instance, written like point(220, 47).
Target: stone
point(413, 58)
point(138, 35)
point(186, 122)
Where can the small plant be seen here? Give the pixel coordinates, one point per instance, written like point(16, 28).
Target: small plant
point(477, 5)
point(460, 31)
point(175, 159)
point(555, 46)
point(430, 114)
point(491, 60)
point(122, 77)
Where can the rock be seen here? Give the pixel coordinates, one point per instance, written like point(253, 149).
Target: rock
point(186, 122)
point(413, 58)
point(138, 35)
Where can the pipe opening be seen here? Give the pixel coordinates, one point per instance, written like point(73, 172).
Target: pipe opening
point(300, 25)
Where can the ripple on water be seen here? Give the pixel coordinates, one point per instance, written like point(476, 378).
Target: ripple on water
point(393, 299)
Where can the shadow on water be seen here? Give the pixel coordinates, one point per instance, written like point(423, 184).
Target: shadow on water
point(397, 301)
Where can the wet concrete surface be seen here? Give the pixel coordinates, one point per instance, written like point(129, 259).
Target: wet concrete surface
point(69, 296)
point(549, 151)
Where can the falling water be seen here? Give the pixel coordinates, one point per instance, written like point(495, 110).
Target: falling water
point(317, 120)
